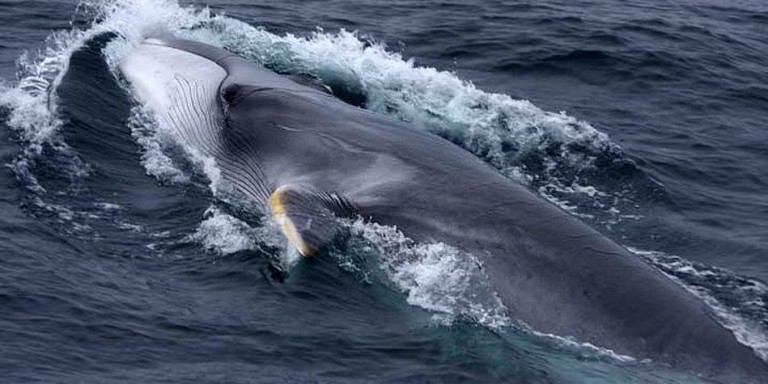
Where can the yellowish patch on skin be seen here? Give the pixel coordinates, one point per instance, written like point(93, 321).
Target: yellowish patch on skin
point(279, 212)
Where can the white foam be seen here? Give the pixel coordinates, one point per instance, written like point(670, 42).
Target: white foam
point(435, 276)
point(589, 349)
point(156, 162)
point(108, 206)
point(225, 234)
point(129, 226)
point(158, 143)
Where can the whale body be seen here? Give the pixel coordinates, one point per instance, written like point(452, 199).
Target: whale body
point(311, 158)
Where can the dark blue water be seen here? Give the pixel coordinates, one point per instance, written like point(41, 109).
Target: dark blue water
point(118, 263)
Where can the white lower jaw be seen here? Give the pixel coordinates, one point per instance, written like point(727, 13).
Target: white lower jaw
point(180, 89)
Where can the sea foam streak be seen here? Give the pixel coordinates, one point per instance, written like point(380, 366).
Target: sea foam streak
point(435, 276)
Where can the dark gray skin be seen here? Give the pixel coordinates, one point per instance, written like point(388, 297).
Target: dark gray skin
point(551, 271)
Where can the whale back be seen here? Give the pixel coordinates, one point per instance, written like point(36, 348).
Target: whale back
point(307, 155)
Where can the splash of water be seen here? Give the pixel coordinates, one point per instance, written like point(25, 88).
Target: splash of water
point(434, 276)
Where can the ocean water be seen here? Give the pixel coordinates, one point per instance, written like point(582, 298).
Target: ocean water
point(123, 260)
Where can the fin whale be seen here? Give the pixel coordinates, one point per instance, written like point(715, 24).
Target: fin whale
point(310, 158)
